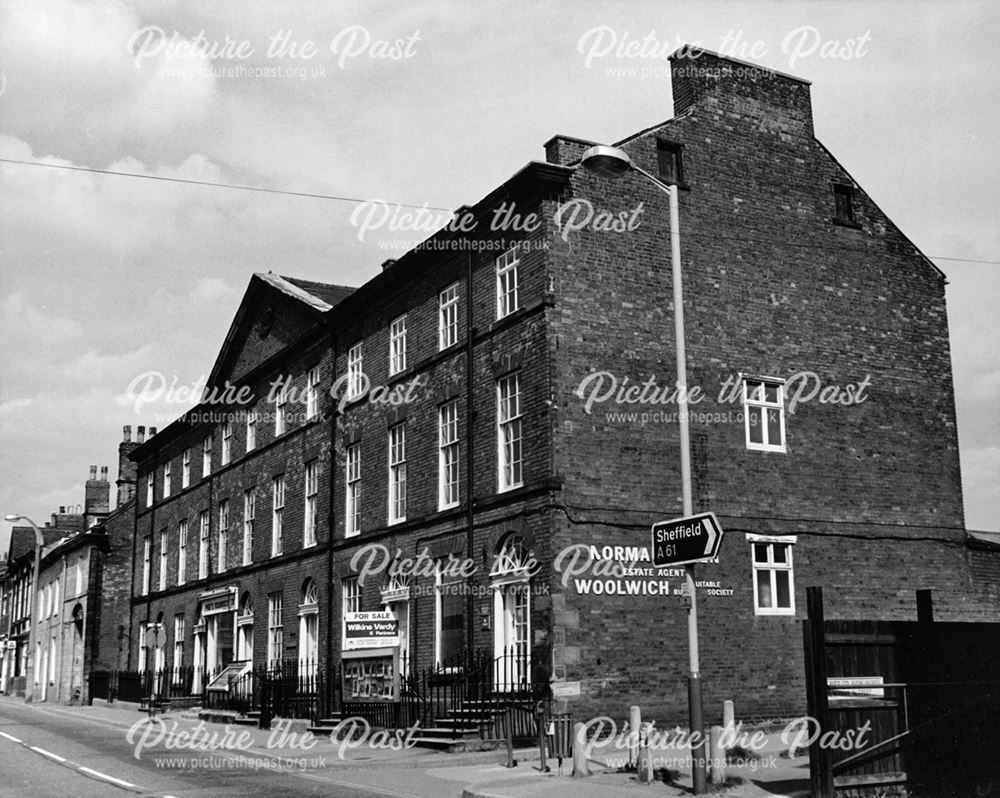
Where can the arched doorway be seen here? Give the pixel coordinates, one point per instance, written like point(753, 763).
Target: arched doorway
point(510, 580)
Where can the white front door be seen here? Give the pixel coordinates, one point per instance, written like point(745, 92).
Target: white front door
point(512, 635)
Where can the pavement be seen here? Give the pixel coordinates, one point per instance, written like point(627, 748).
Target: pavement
point(381, 763)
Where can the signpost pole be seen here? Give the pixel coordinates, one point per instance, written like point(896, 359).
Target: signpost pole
point(698, 770)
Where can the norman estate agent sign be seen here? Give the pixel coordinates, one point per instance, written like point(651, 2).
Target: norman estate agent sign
point(370, 630)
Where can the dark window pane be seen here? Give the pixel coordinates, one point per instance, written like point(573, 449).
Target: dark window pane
point(782, 579)
point(668, 164)
point(760, 552)
point(754, 415)
point(844, 203)
point(780, 550)
point(774, 427)
point(771, 393)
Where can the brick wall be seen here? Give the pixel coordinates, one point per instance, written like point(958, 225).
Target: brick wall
point(772, 286)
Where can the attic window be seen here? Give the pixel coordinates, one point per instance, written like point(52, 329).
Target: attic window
point(668, 161)
point(843, 199)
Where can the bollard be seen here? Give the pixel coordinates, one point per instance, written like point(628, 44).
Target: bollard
point(728, 716)
point(634, 724)
point(509, 734)
point(717, 753)
point(580, 768)
point(644, 765)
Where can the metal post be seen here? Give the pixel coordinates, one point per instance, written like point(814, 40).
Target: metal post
point(698, 742)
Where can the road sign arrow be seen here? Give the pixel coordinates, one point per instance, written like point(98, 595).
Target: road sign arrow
point(710, 534)
point(691, 539)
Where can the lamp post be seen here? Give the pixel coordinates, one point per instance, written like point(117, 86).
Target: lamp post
point(32, 633)
point(614, 162)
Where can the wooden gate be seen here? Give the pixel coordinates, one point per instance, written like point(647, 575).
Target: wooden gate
point(902, 707)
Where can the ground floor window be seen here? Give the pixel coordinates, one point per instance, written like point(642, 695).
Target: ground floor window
point(449, 613)
point(773, 585)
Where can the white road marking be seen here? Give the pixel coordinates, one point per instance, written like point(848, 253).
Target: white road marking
point(11, 737)
point(97, 774)
point(49, 754)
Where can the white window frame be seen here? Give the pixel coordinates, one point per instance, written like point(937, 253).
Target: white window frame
point(277, 514)
point(161, 577)
point(206, 456)
point(186, 468)
point(350, 600)
point(448, 317)
point(311, 507)
point(251, 429)
point(142, 649)
point(179, 632)
point(147, 554)
point(166, 479)
point(249, 513)
point(770, 568)
point(281, 411)
point(275, 628)
point(355, 371)
point(397, 473)
point(507, 287)
point(397, 345)
point(227, 442)
point(204, 528)
point(352, 499)
point(182, 537)
point(312, 393)
point(449, 472)
point(758, 404)
point(223, 536)
point(510, 433)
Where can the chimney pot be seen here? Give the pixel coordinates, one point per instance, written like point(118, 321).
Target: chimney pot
point(140, 434)
point(62, 509)
point(104, 473)
point(388, 263)
point(152, 431)
point(93, 473)
point(127, 433)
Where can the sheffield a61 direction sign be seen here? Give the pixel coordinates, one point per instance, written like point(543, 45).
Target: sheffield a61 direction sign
point(686, 540)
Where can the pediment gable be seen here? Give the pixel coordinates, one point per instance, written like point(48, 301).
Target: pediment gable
point(275, 313)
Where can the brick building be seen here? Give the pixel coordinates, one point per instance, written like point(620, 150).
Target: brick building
point(492, 413)
point(18, 591)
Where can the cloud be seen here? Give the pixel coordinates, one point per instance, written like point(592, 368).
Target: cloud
point(74, 54)
point(209, 290)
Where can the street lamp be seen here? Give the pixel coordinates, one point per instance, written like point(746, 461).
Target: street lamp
point(614, 162)
point(32, 633)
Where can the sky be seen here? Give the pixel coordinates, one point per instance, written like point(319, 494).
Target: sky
point(107, 281)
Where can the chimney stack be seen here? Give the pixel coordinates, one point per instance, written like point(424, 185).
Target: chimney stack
point(565, 150)
point(96, 496)
point(724, 88)
point(126, 468)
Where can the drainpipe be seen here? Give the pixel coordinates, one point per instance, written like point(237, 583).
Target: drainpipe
point(469, 454)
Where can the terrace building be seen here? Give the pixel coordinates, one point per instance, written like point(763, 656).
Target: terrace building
point(492, 414)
